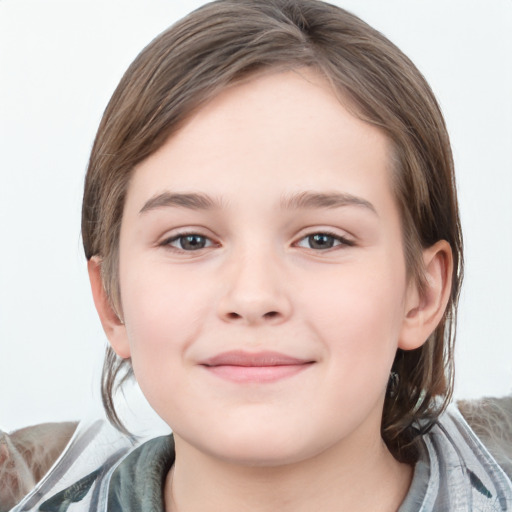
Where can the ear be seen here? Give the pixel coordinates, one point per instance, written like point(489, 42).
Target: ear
point(112, 325)
point(425, 308)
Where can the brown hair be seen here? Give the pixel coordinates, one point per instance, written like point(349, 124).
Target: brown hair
point(227, 41)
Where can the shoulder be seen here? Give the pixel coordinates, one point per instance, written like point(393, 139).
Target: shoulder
point(456, 472)
point(490, 418)
point(138, 481)
point(26, 455)
point(81, 474)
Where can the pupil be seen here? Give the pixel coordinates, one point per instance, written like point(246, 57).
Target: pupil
point(321, 241)
point(192, 242)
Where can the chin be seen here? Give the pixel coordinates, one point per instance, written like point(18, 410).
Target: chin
point(259, 446)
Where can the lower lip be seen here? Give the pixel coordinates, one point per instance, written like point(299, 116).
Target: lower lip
point(257, 374)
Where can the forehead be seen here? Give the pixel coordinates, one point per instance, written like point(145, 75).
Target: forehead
point(275, 133)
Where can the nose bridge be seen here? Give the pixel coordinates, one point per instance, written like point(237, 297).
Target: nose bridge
point(255, 289)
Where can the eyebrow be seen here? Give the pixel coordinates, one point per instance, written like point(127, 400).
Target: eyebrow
point(311, 200)
point(192, 201)
point(297, 201)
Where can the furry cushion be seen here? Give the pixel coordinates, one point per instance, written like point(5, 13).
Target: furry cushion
point(491, 420)
point(25, 457)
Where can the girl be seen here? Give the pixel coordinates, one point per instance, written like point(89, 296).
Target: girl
point(274, 248)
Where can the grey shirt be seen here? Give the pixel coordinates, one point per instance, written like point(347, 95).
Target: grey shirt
point(455, 473)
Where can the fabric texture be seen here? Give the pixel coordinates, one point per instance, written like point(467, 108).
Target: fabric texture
point(456, 472)
point(112, 473)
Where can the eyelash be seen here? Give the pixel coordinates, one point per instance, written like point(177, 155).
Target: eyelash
point(343, 241)
point(337, 238)
point(178, 236)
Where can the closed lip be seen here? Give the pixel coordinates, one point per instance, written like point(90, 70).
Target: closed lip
point(256, 359)
point(265, 367)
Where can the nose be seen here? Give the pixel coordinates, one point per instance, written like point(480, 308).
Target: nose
point(255, 291)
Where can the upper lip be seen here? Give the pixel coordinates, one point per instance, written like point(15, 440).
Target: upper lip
point(242, 358)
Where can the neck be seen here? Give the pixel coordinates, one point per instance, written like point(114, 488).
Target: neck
point(341, 478)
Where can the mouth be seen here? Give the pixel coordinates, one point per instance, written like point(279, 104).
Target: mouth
point(258, 367)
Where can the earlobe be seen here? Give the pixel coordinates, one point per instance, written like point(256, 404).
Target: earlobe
point(425, 308)
point(112, 325)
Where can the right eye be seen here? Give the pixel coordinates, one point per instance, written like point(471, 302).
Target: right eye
point(188, 242)
point(324, 240)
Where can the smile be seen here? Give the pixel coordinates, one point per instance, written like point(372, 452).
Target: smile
point(260, 367)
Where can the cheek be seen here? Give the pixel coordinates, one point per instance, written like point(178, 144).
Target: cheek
point(357, 319)
point(358, 312)
point(163, 315)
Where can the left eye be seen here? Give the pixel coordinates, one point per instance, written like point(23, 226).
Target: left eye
point(189, 242)
point(323, 241)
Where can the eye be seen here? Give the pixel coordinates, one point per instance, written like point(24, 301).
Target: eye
point(323, 241)
point(188, 242)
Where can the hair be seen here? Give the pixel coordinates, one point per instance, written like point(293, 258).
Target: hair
point(228, 41)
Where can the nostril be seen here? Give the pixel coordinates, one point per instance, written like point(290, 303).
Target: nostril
point(236, 316)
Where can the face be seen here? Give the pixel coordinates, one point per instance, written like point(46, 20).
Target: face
point(262, 276)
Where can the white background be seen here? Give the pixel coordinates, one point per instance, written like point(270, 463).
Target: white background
point(59, 64)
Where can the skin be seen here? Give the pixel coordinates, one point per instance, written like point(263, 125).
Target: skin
point(341, 303)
